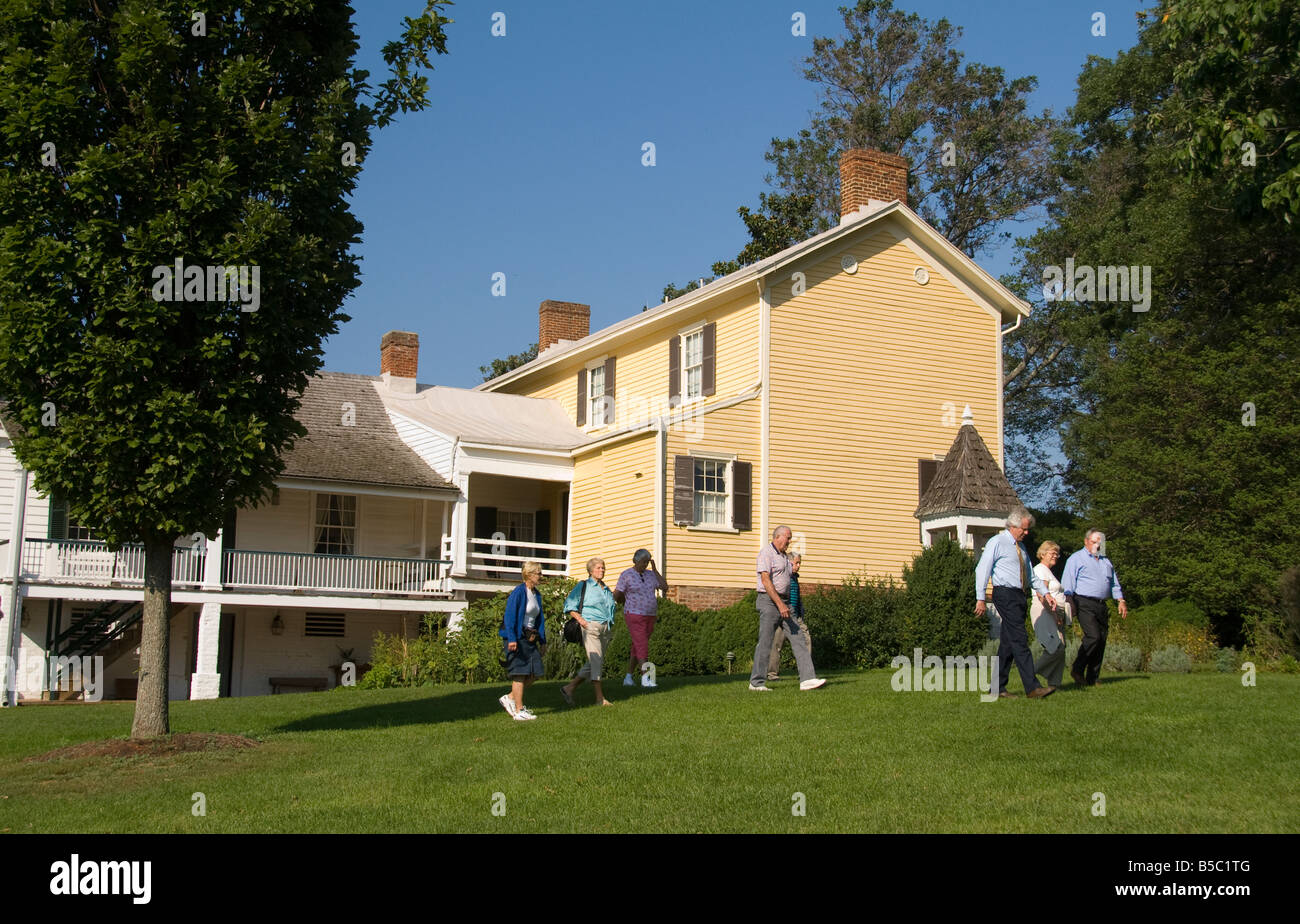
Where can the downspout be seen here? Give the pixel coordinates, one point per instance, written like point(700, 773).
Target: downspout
point(765, 405)
point(1002, 332)
point(13, 606)
point(661, 478)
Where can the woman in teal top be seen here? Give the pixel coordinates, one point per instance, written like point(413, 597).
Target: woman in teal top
point(592, 604)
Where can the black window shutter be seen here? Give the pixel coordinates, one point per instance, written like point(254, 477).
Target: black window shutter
point(582, 397)
point(675, 371)
point(683, 491)
point(710, 362)
point(608, 403)
point(742, 495)
point(542, 529)
point(925, 471)
point(485, 522)
point(58, 525)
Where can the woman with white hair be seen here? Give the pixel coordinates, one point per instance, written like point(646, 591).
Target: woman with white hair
point(523, 629)
point(592, 604)
point(636, 589)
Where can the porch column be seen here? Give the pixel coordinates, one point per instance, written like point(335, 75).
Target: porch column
point(212, 563)
point(205, 682)
point(459, 528)
point(961, 533)
point(11, 620)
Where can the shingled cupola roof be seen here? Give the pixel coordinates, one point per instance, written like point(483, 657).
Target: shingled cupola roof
point(968, 480)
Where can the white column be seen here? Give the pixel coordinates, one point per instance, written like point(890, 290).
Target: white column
point(205, 682)
point(459, 529)
point(11, 631)
point(212, 563)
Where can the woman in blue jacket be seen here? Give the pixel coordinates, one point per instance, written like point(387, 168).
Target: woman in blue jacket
point(524, 632)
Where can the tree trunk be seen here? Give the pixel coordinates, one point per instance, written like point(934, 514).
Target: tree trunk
point(151, 718)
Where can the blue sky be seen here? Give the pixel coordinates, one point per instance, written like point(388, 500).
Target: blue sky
point(528, 160)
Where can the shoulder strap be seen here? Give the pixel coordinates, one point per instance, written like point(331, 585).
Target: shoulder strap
point(582, 595)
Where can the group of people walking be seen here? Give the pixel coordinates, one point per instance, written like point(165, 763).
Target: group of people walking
point(1088, 580)
point(593, 605)
point(1003, 574)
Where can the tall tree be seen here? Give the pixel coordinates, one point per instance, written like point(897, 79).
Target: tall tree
point(144, 147)
point(895, 82)
point(501, 366)
point(1179, 426)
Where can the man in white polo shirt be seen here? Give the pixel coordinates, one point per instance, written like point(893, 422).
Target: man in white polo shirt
point(773, 608)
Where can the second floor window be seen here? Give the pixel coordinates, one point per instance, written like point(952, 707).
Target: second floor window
point(693, 365)
point(596, 395)
point(335, 530)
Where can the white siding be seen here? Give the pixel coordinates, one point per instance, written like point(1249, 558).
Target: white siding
point(433, 447)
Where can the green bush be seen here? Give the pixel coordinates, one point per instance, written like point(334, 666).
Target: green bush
point(1226, 660)
point(857, 624)
point(1171, 660)
point(1122, 657)
point(938, 614)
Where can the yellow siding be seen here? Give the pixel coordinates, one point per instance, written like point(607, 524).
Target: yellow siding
point(612, 504)
point(641, 364)
point(862, 368)
point(699, 557)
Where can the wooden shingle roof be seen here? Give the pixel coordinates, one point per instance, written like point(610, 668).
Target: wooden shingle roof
point(968, 480)
point(367, 452)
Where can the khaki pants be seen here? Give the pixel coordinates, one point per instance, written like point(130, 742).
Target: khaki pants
point(595, 636)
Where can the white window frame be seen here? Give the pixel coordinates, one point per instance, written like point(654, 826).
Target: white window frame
point(729, 516)
point(682, 367)
point(591, 416)
point(312, 522)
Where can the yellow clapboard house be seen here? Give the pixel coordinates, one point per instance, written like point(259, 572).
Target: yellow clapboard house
point(816, 388)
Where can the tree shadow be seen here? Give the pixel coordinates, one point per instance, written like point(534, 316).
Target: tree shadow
point(477, 702)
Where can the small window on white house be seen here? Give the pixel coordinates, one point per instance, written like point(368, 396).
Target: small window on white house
point(336, 524)
point(711, 492)
point(517, 526)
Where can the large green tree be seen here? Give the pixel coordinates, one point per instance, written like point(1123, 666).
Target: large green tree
point(138, 134)
point(1179, 423)
point(894, 81)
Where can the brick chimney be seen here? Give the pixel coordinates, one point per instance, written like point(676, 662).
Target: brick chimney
point(558, 321)
point(399, 357)
point(870, 179)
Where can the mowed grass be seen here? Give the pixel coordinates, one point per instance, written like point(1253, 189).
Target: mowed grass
point(1184, 753)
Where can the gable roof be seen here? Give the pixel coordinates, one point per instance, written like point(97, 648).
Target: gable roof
point(1009, 305)
point(486, 417)
point(369, 452)
point(968, 480)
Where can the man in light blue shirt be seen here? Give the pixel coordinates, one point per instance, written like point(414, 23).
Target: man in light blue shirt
point(1007, 561)
point(1089, 581)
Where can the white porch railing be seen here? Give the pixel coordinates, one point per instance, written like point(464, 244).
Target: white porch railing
point(356, 573)
point(59, 561)
point(501, 559)
point(63, 561)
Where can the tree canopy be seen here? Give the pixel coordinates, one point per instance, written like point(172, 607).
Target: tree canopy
point(176, 245)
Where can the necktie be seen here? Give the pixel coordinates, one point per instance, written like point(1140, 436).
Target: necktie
point(1025, 583)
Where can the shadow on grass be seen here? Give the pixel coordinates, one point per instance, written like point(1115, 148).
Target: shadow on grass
point(479, 701)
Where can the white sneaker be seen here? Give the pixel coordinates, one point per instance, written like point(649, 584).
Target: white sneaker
point(508, 704)
point(647, 682)
point(523, 715)
point(627, 681)
point(812, 683)
point(754, 689)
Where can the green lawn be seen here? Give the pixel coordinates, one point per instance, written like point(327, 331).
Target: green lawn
point(1195, 752)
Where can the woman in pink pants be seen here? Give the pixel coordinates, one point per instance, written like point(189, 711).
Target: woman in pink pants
point(636, 591)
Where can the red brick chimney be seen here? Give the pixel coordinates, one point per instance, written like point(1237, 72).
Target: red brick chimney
point(399, 354)
point(870, 178)
point(558, 321)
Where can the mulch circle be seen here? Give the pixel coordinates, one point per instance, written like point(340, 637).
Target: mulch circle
point(148, 747)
